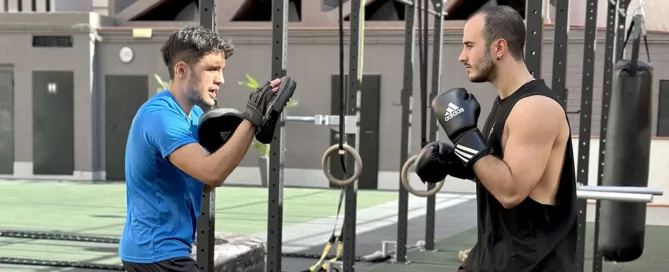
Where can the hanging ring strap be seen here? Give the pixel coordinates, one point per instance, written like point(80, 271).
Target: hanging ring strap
point(404, 178)
point(325, 164)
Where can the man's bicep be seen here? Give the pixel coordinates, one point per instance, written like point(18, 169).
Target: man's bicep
point(527, 156)
point(172, 138)
point(532, 133)
point(190, 159)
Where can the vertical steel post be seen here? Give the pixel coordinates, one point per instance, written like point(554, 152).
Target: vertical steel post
point(275, 195)
point(588, 77)
point(437, 48)
point(561, 43)
point(206, 226)
point(354, 79)
point(405, 143)
point(615, 34)
point(535, 28)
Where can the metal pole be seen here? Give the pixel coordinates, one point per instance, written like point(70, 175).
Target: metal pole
point(275, 195)
point(535, 28)
point(614, 38)
point(437, 46)
point(590, 37)
point(623, 197)
point(405, 143)
point(351, 190)
point(561, 43)
point(623, 189)
point(206, 226)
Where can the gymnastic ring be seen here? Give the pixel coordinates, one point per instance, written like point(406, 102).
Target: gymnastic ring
point(404, 178)
point(325, 164)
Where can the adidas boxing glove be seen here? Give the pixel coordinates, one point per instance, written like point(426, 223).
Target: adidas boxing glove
point(458, 111)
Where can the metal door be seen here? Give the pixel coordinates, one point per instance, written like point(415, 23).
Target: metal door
point(53, 122)
point(124, 94)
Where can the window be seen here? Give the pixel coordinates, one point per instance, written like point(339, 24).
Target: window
point(52, 41)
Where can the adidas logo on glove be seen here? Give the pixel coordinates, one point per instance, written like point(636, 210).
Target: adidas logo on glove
point(452, 111)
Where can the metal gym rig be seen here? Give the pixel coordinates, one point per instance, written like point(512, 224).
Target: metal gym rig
point(616, 14)
point(347, 124)
point(534, 17)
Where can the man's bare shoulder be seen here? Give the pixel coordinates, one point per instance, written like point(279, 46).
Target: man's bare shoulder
point(537, 110)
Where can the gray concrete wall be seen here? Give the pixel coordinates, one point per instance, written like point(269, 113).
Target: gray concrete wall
point(312, 58)
point(16, 49)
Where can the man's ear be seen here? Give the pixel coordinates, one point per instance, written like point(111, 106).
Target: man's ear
point(180, 69)
point(500, 48)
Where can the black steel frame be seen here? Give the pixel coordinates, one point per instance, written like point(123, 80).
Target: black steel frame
point(205, 223)
point(406, 98)
point(437, 50)
point(277, 157)
point(534, 17)
point(614, 36)
point(354, 80)
point(561, 43)
point(588, 77)
point(534, 25)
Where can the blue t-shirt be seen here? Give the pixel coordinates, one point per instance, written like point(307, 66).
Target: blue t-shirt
point(162, 201)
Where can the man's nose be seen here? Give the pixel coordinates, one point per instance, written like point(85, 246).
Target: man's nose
point(462, 58)
point(219, 80)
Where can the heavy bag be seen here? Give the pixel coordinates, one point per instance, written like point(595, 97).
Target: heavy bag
point(216, 126)
point(626, 161)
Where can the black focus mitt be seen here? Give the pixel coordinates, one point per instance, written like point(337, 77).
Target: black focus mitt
point(216, 127)
point(265, 132)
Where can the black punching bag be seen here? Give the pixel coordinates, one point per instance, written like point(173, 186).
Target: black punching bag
point(626, 161)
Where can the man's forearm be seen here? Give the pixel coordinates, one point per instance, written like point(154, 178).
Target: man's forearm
point(228, 157)
point(496, 176)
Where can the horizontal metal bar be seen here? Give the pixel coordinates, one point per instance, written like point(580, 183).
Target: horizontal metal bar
point(350, 121)
point(302, 119)
point(623, 197)
point(431, 11)
point(623, 189)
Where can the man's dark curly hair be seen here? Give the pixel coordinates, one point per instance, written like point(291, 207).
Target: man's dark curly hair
point(190, 44)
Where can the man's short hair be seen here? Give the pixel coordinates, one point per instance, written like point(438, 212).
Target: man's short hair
point(504, 22)
point(190, 44)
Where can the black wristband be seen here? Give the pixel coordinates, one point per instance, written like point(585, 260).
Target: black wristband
point(470, 146)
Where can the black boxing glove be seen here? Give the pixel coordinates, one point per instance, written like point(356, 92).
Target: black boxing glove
point(437, 160)
point(458, 170)
point(432, 162)
point(458, 111)
point(259, 102)
point(265, 132)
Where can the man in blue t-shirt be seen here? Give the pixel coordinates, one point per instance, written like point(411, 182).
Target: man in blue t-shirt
point(166, 168)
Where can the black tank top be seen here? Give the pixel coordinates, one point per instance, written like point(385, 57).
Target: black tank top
point(531, 236)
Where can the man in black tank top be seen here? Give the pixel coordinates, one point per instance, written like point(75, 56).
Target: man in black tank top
point(523, 159)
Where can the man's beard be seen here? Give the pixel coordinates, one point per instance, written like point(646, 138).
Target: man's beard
point(195, 96)
point(485, 70)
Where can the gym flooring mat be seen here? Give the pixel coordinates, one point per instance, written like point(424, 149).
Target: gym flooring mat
point(309, 214)
point(99, 209)
point(445, 258)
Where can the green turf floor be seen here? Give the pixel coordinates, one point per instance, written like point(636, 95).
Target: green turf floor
point(99, 209)
point(654, 259)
